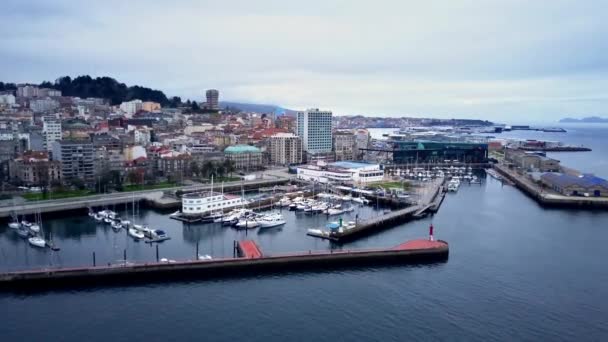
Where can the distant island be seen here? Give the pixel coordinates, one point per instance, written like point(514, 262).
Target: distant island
point(590, 119)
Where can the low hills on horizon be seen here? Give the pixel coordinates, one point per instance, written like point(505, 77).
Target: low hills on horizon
point(589, 119)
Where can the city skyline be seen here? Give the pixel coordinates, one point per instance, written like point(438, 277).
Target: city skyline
point(495, 62)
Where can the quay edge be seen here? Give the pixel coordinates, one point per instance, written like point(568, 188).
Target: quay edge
point(229, 267)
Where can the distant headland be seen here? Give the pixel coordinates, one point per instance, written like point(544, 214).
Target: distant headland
point(590, 119)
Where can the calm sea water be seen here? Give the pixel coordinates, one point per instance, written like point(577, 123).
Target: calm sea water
point(516, 272)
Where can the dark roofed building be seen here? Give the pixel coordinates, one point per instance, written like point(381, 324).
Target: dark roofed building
point(571, 185)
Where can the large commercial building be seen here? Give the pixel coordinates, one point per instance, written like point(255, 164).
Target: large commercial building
point(534, 161)
point(408, 152)
point(285, 149)
point(244, 157)
point(571, 185)
point(343, 172)
point(213, 98)
point(77, 159)
point(314, 127)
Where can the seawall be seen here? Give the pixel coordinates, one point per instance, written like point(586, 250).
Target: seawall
point(417, 251)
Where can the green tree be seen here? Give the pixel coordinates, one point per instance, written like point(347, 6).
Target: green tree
point(229, 166)
point(133, 177)
point(78, 183)
point(195, 168)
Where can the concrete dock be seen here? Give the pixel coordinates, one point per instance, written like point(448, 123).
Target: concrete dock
point(416, 251)
point(429, 201)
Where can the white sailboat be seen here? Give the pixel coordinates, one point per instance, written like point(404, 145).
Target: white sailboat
point(37, 241)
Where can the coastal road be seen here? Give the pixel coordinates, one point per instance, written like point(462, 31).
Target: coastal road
point(120, 197)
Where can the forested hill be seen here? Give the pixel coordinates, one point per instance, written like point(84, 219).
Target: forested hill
point(108, 88)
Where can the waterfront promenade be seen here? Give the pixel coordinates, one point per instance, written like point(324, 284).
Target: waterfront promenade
point(155, 195)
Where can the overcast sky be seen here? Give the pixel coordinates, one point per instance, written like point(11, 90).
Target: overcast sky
point(505, 60)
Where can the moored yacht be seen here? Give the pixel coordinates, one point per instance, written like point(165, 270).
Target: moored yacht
point(37, 241)
point(272, 220)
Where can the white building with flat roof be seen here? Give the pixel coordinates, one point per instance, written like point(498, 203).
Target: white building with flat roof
point(313, 126)
point(131, 107)
point(51, 131)
point(342, 172)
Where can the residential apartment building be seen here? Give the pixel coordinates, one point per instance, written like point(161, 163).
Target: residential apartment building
point(51, 131)
point(43, 105)
point(285, 149)
point(77, 158)
point(35, 168)
point(213, 97)
point(314, 128)
point(150, 106)
point(131, 107)
point(244, 157)
point(344, 145)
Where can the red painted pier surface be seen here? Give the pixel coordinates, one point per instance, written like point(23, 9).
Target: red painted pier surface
point(420, 244)
point(253, 263)
point(249, 249)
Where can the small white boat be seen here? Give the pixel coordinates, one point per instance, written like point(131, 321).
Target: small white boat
point(98, 217)
point(116, 225)
point(177, 213)
point(271, 221)
point(136, 234)
point(14, 225)
point(204, 257)
point(358, 200)
point(334, 211)
point(247, 223)
point(157, 235)
point(107, 220)
point(347, 198)
point(348, 210)
point(37, 241)
point(141, 227)
point(35, 228)
point(91, 214)
point(125, 223)
point(25, 224)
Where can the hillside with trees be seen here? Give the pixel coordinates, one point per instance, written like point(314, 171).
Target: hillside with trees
point(108, 88)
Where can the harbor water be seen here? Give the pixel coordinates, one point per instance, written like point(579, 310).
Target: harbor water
point(516, 271)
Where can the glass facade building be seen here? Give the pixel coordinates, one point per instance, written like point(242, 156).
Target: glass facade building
point(407, 152)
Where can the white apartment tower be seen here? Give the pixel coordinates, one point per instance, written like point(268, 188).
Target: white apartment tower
point(313, 126)
point(51, 131)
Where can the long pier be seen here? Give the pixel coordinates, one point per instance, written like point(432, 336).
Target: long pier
point(415, 251)
point(547, 198)
point(151, 196)
point(429, 203)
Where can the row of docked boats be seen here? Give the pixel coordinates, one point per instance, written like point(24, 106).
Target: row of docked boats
point(30, 231)
point(312, 206)
point(136, 231)
point(299, 203)
point(248, 219)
